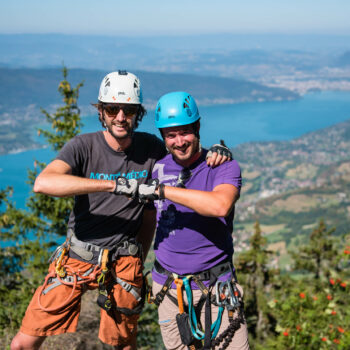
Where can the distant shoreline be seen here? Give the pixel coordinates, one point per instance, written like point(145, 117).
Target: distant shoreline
point(90, 112)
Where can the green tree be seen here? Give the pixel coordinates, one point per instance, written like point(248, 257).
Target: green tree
point(319, 256)
point(313, 312)
point(256, 277)
point(65, 124)
point(30, 234)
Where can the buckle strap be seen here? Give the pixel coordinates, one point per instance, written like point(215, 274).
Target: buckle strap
point(55, 282)
point(129, 288)
point(159, 297)
point(74, 241)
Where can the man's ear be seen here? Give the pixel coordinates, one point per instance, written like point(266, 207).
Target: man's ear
point(196, 127)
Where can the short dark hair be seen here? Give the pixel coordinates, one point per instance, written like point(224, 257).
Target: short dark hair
point(195, 126)
point(140, 114)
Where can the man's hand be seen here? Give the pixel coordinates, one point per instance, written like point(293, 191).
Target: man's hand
point(218, 154)
point(147, 192)
point(126, 187)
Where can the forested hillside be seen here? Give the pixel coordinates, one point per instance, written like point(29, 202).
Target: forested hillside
point(289, 186)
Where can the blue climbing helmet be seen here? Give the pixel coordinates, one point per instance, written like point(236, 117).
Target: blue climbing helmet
point(175, 109)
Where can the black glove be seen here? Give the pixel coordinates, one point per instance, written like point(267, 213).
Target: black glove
point(126, 187)
point(221, 149)
point(146, 192)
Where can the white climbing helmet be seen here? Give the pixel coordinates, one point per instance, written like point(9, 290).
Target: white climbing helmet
point(120, 87)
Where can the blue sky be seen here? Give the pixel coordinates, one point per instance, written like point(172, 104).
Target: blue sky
point(156, 17)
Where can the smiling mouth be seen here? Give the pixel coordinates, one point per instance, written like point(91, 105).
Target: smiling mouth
point(181, 150)
point(123, 126)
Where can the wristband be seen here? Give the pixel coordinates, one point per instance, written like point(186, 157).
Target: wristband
point(161, 192)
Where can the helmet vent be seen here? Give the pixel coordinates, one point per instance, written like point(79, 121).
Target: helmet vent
point(122, 72)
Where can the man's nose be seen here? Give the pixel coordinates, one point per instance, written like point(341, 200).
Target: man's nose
point(121, 116)
point(179, 140)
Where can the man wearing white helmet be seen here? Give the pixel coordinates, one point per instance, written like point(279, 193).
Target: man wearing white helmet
point(107, 235)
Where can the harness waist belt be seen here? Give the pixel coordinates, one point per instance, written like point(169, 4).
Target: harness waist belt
point(90, 247)
point(202, 276)
point(86, 250)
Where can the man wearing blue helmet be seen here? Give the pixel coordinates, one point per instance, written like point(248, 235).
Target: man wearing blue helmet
point(193, 245)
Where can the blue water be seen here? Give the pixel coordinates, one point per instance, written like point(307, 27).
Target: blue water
point(236, 124)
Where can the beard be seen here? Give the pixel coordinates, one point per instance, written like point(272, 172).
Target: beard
point(128, 131)
point(191, 150)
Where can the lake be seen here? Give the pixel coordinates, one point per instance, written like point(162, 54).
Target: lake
point(236, 124)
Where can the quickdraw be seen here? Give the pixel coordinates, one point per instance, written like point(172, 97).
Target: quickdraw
point(103, 299)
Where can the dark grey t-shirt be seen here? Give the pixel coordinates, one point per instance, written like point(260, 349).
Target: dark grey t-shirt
point(104, 218)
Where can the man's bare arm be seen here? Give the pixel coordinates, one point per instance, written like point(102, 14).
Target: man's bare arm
point(57, 180)
point(217, 203)
point(147, 230)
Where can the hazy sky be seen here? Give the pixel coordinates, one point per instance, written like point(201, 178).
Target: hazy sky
point(156, 17)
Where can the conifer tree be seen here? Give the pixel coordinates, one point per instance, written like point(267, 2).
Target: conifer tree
point(65, 124)
point(255, 275)
point(319, 256)
point(32, 233)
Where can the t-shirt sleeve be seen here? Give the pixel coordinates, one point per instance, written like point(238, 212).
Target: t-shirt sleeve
point(228, 173)
point(71, 153)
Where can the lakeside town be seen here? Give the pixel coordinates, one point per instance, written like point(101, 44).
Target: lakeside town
point(290, 185)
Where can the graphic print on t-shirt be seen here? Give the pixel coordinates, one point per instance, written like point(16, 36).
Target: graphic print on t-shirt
point(168, 180)
point(130, 175)
point(167, 221)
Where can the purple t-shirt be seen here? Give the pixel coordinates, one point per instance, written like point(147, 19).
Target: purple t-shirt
point(187, 242)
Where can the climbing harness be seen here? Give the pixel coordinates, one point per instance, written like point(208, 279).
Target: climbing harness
point(226, 296)
point(100, 273)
